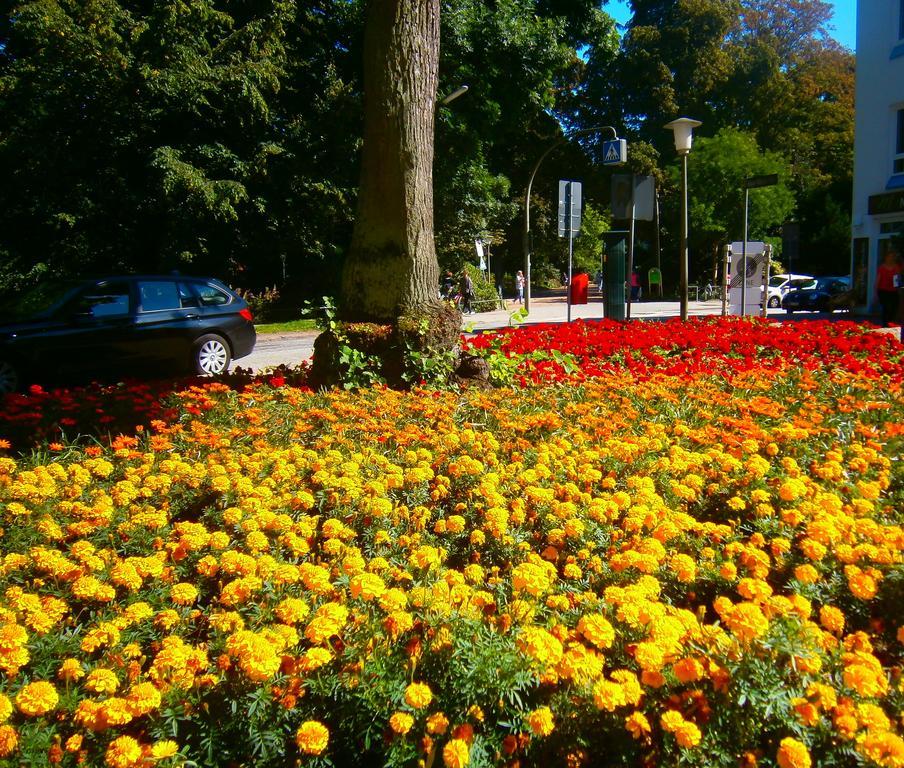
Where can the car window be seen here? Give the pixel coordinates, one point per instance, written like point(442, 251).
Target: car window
point(105, 300)
point(777, 282)
point(211, 296)
point(157, 295)
point(798, 284)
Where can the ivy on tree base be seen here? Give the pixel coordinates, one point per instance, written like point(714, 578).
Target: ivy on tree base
point(419, 346)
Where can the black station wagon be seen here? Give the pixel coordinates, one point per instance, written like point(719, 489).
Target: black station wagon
point(110, 326)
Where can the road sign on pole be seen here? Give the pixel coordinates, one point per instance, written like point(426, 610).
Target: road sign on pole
point(615, 152)
point(569, 207)
point(755, 182)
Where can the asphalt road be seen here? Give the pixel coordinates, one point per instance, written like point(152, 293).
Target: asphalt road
point(292, 348)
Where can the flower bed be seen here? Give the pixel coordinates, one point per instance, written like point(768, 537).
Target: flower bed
point(637, 568)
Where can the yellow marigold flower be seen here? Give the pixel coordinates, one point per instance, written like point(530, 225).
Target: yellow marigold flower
point(746, 621)
point(418, 695)
point(649, 656)
point(686, 733)
point(401, 722)
point(124, 752)
point(637, 724)
point(793, 754)
point(367, 586)
point(884, 748)
point(456, 754)
point(831, 619)
point(608, 695)
point(102, 681)
point(164, 749)
point(596, 629)
point(6, 708)
point(437, 723)
point(684, 567)
point(142, 699)
point(312, 737)
point(183, 593)
point(9, 740)
point(73, 743)
point(37, 699)
point(314, 658)
point(292, 610)
point(541, 721)
point(806, 574)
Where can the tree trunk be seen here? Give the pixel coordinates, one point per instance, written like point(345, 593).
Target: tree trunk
point(391, 268)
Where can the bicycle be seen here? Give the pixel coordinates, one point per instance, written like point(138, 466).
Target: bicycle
point(709, 292)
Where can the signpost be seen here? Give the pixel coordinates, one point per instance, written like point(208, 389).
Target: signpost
point(569, 222)
point(753, 182)
point(615, 152)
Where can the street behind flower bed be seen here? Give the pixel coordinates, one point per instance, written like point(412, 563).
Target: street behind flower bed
point(666, 544)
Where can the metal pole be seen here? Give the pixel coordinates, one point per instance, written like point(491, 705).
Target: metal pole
point(631, 256)
point(530, 183)
point(744, 255)
point(765, 281)
point(683, 265)
point(725, 262)
point(656, 245)
point(570, 247)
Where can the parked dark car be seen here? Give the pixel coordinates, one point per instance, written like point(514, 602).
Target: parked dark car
point(63, 331)
point(816, 297)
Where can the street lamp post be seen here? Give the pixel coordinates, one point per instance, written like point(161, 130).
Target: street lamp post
point(683, 128)
point(530, 183)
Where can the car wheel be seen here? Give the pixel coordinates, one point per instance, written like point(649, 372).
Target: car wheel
point(211, 355)
point(9, 377)
point(774, 302)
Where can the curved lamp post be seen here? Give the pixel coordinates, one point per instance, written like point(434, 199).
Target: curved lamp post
point(683, 128)
point(530, 183)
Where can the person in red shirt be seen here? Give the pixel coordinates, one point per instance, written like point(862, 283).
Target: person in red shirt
point(887, 284)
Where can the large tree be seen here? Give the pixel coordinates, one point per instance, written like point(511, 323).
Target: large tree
point(391, 268)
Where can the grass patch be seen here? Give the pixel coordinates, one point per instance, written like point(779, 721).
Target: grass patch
point(291, 325)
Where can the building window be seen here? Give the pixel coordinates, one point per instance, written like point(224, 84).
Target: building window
point(899, 141)
point(901, 22)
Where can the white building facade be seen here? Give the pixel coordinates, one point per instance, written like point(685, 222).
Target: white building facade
point(878, 212)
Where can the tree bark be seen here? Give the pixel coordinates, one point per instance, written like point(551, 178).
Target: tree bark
point(391, 268)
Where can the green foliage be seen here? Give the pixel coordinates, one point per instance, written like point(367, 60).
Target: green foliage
point(717, 169)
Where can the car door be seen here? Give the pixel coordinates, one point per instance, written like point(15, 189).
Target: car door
point(166, 321)
point(91, 332)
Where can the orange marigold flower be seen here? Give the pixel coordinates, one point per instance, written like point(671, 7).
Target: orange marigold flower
point(312, 737)
point(831, 619)
point(637, 724)
point(9, 740)
point(793, 754)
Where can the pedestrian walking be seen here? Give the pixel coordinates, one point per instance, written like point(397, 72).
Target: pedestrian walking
point(466, 286)
point(519, 286)
point(635, 285)
point(888, 283)
point(448, 286)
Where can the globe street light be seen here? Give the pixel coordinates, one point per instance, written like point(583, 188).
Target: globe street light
point(683, 128)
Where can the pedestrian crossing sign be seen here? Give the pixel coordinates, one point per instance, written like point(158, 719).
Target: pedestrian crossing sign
point(615, 152)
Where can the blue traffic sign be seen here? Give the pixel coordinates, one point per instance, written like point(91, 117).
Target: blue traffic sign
point(615, 152)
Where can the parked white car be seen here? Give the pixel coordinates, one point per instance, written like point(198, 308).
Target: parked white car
point(779, 285)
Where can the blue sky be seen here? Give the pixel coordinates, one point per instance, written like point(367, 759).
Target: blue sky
point(845, 21)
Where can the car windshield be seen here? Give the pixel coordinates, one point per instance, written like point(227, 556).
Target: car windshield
point(777, 281)
point(37, 299)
